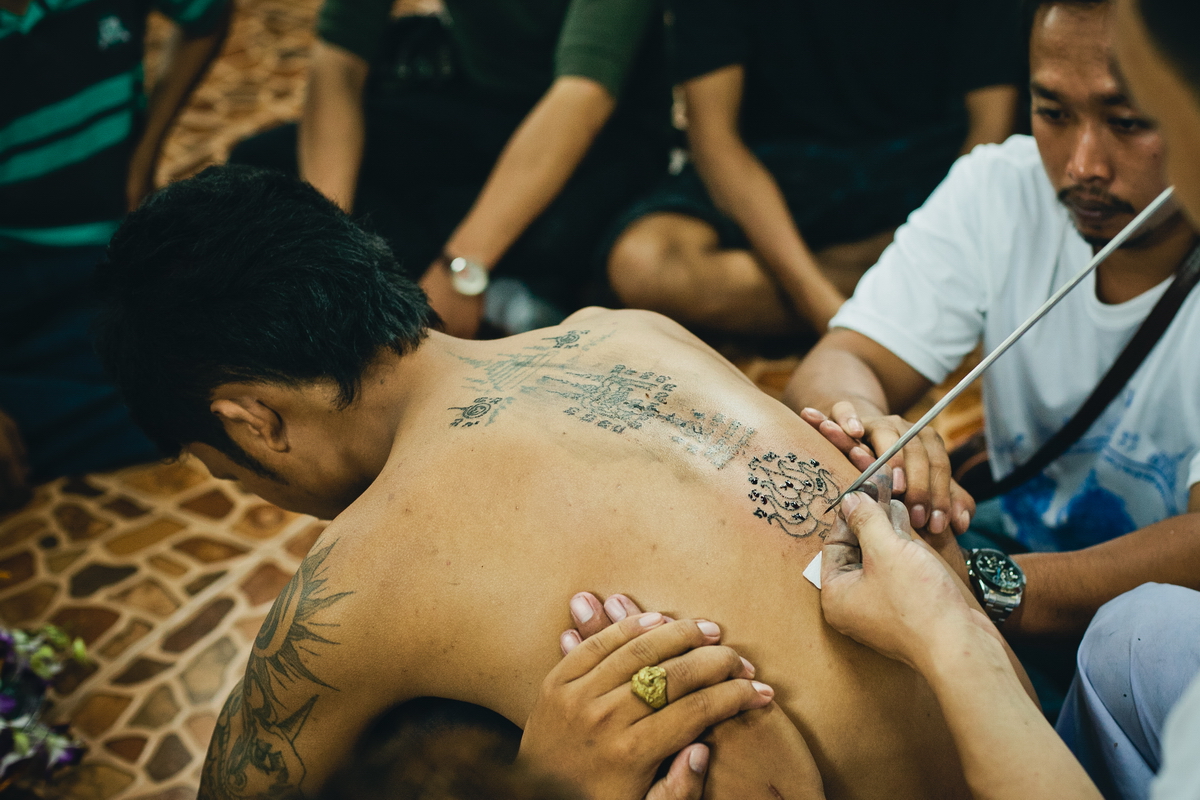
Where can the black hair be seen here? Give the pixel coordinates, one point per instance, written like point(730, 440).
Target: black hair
point(1030, 9)
point(242, 274)
point(1174, 27)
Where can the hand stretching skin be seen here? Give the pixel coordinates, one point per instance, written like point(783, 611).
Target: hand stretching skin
point(888, 590)
point(14, 466)
point(920, 472)
point(587, 728)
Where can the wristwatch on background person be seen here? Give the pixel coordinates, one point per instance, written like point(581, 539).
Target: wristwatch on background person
point(469, 278)
point(998, 583)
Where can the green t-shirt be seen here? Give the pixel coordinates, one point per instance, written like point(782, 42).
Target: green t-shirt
point(515, 48)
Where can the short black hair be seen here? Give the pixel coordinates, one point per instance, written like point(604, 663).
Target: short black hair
point(1174, 27)
point(1030, 9)
point(243, 274)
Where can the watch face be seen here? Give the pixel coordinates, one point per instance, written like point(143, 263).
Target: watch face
point(468, 277)
point(999, 571)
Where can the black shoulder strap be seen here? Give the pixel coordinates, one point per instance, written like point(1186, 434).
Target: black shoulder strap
point(1143, 341)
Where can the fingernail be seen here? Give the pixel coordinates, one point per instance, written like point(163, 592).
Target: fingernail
point(568, 641)
point(918, 516)
point(749, 667)
point(614, 609)
point(811, 411)
point(698, 760)
point(897, 480)
point(650, 620)
point(937, 522)
point(858, 452)
point(849, 503)
point(763, 689)
point(964, 519)
point(581, 610)
point(709, 628)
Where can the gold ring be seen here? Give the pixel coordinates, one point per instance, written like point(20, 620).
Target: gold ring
point(650, 685)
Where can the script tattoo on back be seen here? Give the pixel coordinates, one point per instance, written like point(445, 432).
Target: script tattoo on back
point(792, 493)
point(253, 753)
point(620, 400)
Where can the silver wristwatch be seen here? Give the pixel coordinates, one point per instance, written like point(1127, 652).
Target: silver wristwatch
point(998, 583)
point(468, 277)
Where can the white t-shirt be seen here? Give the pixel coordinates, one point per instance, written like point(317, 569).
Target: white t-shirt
point(1179, 777)
point(990, 245)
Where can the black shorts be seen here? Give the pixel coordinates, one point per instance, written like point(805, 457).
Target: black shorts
point(835, 194)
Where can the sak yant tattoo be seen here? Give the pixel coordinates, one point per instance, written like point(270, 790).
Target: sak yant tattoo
point(567, 341)
point(253, 751)
point(792, 493)
point(715, 436)
point(624, 398)
point(475, 413)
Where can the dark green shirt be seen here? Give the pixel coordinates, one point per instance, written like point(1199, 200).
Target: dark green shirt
point(515, 48)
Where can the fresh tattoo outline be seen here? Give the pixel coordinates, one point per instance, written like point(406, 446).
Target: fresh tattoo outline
point(784, 490)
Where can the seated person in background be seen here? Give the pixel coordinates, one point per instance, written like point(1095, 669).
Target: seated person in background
point(558, 119)
point(79, 143)
point(1008, 227)
point(811, 125)
point(474, 484)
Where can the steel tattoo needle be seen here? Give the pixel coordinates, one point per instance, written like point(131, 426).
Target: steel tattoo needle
point(1152, 215)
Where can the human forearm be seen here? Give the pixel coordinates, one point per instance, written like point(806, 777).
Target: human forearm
point(184, 61)
point(991, 114)
point(534, 166)
point(331, 133)
point(742, 188)
point(995, 725)
point(830, 374)
point(1064, 590)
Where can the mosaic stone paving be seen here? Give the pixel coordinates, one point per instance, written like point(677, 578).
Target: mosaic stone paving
point(167, 574)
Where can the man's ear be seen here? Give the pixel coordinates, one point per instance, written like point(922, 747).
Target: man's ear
point(252, 424)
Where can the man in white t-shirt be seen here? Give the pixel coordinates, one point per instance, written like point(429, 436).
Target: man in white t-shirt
point(1008, 226)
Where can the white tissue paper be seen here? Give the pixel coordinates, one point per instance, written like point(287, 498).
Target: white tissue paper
point(813, 571)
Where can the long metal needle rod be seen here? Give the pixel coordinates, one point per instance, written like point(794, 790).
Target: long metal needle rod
point(1149, 213)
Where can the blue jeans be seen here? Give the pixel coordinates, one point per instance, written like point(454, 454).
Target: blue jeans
point(51, 382)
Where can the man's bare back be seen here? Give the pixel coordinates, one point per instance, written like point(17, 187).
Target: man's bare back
point(614, 453)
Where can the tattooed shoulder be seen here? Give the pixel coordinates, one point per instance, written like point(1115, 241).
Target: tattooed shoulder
point(253, 751)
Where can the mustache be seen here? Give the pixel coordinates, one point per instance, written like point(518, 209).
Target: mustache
point(1097, 199)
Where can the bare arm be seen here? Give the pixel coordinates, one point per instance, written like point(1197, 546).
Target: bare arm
point(536, 163)
point(533, 167)
point(184, 61)
point(991, 115)
point(331, 131)
point(887, 589)
point(742, 188)
point(1065, 590)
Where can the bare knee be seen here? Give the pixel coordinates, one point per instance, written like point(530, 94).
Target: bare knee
point(652, 260)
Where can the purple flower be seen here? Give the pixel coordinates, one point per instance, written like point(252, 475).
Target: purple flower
point(8, 705)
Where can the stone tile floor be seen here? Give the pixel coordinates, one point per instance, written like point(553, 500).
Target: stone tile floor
point(164, 571)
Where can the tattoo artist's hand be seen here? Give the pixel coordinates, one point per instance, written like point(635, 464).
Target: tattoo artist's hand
point(461, 314)
point(884, 587)
point(920, 472)
point(589, 729)
point(14, 466)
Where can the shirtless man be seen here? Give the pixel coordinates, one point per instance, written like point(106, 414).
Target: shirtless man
point(475, 485)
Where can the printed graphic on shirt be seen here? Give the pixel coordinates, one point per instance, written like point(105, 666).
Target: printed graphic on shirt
point(112, 32)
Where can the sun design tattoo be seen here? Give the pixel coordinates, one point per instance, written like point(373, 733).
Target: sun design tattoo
point(784, 490)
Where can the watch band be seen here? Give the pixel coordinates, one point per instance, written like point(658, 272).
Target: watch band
point(999, 605)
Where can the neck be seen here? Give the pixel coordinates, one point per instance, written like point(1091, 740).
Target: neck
point(392, 389)
point(1132, 270)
